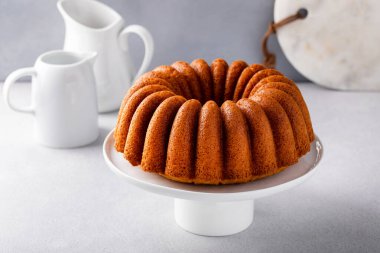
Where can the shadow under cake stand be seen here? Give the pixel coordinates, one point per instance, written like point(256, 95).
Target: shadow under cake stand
point(214, 210)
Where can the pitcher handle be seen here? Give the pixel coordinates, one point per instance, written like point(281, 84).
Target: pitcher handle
point(148, 44)
point(11, 79)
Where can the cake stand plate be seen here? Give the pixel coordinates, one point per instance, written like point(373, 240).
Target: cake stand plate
point(213, 210)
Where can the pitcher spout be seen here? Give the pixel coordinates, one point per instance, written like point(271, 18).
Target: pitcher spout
point(98, 15)
point(90, 57)
point(60, 8)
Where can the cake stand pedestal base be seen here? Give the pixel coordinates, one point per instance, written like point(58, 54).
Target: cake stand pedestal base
point(213, 218)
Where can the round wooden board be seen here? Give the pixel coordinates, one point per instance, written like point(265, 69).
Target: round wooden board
point(337, 45)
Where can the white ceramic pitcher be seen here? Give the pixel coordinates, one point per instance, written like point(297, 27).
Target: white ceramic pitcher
point(93, 26)
point(63, 98)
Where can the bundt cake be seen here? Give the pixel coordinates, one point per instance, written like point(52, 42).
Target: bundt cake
point(213, 124)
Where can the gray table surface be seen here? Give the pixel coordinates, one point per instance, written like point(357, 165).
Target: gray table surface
point(69, 201)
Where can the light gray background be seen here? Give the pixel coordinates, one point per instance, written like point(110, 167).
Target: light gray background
point(182, 29)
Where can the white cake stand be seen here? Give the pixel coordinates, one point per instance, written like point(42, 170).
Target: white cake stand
point(213, 210)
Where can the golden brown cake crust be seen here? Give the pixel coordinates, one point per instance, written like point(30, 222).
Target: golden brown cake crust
point(163, 127)
point(181, 146)
point(157, 135)
point(204, 76)
point(121, 131)
point(219, 68)
point(273, 79)
point(233, 75)
point(192, 78)
point(173, 77)
point(297, 96)
point(286, 152)
point(209, 149)
point(244, 78)
point(262, 142)
point(134, 144)
point(237, 151)
point(256, 78)
point(295, 116)
point(151, 78)
point(141, 82)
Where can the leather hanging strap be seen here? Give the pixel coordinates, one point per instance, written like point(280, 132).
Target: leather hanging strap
point(269, 57)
